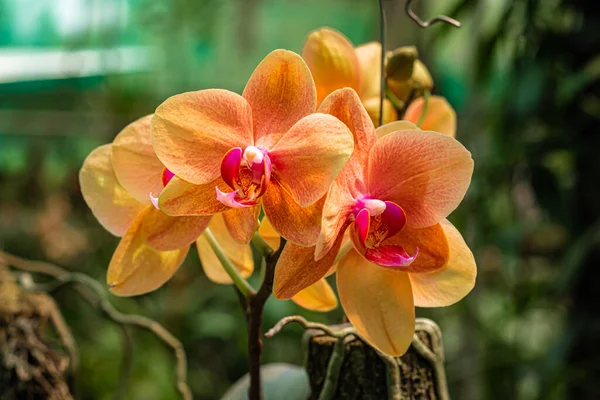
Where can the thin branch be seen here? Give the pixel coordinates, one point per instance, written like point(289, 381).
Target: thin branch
point(334, 367)
point(64, 277)
point(426, 24)
point(328, 330)
point(382, 83)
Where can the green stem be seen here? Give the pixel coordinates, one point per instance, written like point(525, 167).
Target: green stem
point(333, 369)
point(243, 286)
point(382, 60)
point(261, 245)
point(425, 108)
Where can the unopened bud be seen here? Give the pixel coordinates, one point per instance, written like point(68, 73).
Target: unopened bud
point(400, 63)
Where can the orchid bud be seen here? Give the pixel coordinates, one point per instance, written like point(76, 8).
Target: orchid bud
point(400, 63)
point(407, 74)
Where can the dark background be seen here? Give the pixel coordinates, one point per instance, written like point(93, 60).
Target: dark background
point(522, 75)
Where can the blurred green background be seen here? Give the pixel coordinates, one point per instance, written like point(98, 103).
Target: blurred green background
point(522, 75)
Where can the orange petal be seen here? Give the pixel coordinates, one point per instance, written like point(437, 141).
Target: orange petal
point(369, 59)
point(297, 224)
point(281, 91)
point(180, 197)
point(297, 269)
point(317, 297)
point(424, 172)
point(191, 132)
point(242, 222)
point(331, 58)
point(310, 155)
point(163, 232)
point(269, 234)
point(434, 250)
point(345, 105)
point(136, 165)
point(239, 254)
point(137, 268)
point(378, 302)
point(440, 116)
point(453, 281)
point(389, 112)
point(395, 126)
point(110, 203)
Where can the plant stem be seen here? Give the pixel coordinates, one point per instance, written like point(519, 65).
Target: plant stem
point(382, 66)
point(260, 244)
point(333, 369)
point(231, 270)
point(254, 312)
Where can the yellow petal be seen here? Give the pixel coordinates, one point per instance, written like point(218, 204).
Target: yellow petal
point(453, 281)
point(239, 254)
point(137, 268)
point(242, 222)
point(369, 60)
point(372, 106)
point(163, 232)
point(317, 297)
point(136, 166)
point(378, 302)
point(269, 234)
point(393, 127)
point(110, 203)
point(440, 116)
point(331, 58)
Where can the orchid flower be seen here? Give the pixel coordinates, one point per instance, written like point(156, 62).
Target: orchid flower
point(317, 297)
point(232, 153)
point(393, 196)
point(335, 63)
point(118, 181)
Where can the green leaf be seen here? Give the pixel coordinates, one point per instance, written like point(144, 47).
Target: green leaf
point(280, 382)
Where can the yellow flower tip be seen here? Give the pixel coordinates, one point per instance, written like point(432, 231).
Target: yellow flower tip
point(389, 112)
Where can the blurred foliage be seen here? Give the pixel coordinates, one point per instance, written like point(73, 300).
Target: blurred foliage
point(523, 76)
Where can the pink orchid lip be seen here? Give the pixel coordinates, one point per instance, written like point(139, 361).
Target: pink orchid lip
point(166, 177)
point(393, 257)
point(230, 167)
point(363, 222)
point(154, 201)
point(229, 199)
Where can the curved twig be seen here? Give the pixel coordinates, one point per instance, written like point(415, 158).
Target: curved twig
point(426, 24)
point(64, 277)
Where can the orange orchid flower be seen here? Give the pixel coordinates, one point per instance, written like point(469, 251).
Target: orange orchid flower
point(232, 153)
point(439, 115)
point(317, 297)
point(393, 196)
point(335, 63)
point(117, 181)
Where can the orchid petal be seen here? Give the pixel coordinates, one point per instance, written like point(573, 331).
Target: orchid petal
point(372, 105)
point(317, 297)
point(191, 132)
point(393, 217)
point(180, 197)
point(242, 222)
point(230, 167)
point(331, 58)
point(229, 200)
point(369, 60)
point(297, 269)
point(297, 224)
point(453, 281)
point(440, 116)
point(280, 91)
point(163, 232)
point(362, 224)
point(378, 302)
point(136, 165)
point(431, 243)
point(239, 254)
point(345, 105)
point(425, 172)
point(269, 234)
point(110, 203)
point(395, 126)
point(137, 268)
point(310, 155)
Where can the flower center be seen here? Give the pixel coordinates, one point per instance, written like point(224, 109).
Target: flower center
point(247, 173)
point(375, 221)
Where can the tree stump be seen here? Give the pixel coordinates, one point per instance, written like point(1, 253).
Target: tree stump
point(31, 366)
point(367, 374)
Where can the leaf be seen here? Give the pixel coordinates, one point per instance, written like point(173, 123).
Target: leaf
point(280, 382)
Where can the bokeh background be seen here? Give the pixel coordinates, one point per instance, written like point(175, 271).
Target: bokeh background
point(522, 75)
